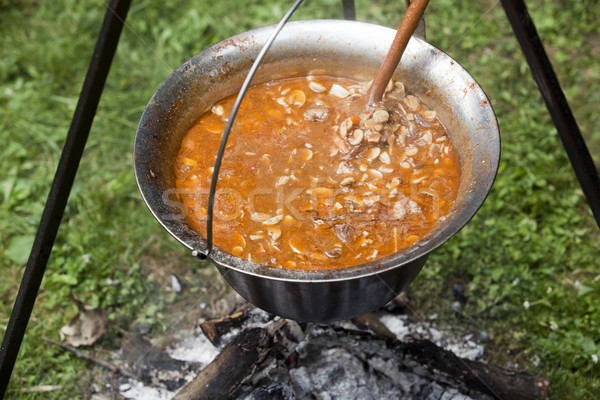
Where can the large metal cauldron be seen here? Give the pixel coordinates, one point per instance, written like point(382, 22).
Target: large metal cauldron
point(342, 48)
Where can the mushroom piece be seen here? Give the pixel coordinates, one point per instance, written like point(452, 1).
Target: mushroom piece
point(373, 153)
point(305, 154)
point(373, 136)
point(339, 91)
point(357, 137)
point(380, 116)
point(343, 168)
point(316, 113)
point(316, 87)
point(273, 220)
point(297, 98)
point(274, 232)
point(347, 181)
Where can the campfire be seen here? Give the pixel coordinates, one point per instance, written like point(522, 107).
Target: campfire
point(244, 352)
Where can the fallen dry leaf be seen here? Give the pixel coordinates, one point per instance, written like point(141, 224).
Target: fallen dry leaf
point(41, 388)
point(86, 327)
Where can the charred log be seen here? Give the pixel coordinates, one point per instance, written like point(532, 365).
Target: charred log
point(214, 329)
point(241, 358)
point(424, 358)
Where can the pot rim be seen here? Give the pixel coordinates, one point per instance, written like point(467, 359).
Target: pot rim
point(431, 241)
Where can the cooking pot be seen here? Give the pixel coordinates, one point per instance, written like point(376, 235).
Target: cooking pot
point(331, 47)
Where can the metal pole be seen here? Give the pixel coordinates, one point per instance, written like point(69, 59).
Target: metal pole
point(349, 10)
point(81, 123)
point(557, 104)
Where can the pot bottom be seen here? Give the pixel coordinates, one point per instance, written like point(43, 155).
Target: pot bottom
point(323, 301)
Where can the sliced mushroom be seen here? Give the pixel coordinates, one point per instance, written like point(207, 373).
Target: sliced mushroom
point(296, 98)
point(296, 245)
point(380, 116)
point(372, 136)
point(274, 232)
point(385, 157)
point(237, 251)
point(316, 87)
point(399, 89)
point(412, 102)
point(373, 153)
point(339, 91)
point(304, 154)
point(429, 114)
point(340, 144)
point(411, 151)
point(343, 169)
point(394, 183)
point(357, 137)
point(390, 86)
point(345, 127)
point(375, 175)
point(238, 240)
point(371, 200)
point(273, 220)
point(259, 217)
point(427, 137)
point(347, 181)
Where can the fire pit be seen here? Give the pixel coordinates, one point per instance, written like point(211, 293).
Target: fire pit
point(392, 353)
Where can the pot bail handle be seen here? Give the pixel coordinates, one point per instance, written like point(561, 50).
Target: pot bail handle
point(227, 131)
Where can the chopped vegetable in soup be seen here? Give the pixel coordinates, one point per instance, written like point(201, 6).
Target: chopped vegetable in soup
point(308, 182)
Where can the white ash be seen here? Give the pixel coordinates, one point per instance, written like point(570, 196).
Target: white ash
point(195, 349)
point(334, 373)
point(137, 390)
point(463, 347)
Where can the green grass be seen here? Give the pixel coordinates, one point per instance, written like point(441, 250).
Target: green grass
point(534, 240)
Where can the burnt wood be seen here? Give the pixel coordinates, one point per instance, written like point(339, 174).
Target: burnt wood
point(214, 329)
point(241, 358)
point(424, 358)
point(258, 348)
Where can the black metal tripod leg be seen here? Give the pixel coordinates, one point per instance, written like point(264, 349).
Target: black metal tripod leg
point(557, 104)
point(81, 123)
point(349, 9)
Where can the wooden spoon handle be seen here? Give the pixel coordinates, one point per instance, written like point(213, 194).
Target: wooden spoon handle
point(407, 27)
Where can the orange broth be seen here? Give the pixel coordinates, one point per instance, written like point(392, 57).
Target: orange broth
point(308, 183)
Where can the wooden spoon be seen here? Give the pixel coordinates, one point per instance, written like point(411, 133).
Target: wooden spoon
point(407, 27)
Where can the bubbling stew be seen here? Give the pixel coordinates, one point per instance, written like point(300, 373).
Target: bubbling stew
point(311, 179)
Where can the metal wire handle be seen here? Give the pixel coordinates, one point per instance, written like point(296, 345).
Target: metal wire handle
point(227, 131)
